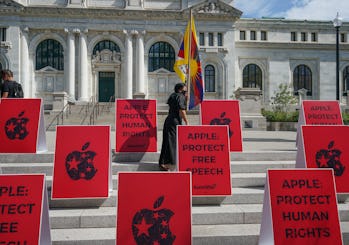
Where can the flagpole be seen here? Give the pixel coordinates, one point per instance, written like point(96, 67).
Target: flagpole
point(189, 56)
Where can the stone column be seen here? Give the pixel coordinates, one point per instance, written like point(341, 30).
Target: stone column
point(129, 64)
point(206, 39)
point(70, 84)
point(24, 75)
point(215, 39)
point(140, 91)
point(83, 86)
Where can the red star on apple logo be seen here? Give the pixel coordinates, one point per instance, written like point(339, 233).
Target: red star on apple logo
point(151, 226)
point(16, 127)
point(11, 127)
point(323, 161)
point(330, 158)
point(163, 235)
point(73, 163)
point(79, 164)
point(143, 228)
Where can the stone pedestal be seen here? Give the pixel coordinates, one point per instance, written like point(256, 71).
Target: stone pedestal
point(76, 3)
point(60, 99)
point(250, 108)
point(302, 95)
point(139, 96)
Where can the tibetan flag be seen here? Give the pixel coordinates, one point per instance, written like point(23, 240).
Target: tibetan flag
point(191, 64)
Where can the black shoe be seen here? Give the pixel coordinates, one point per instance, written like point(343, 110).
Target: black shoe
point(162, 167)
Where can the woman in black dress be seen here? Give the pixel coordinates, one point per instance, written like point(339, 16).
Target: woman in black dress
point(176, 113)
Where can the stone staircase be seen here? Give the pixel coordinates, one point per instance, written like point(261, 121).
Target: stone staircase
point(235, 221)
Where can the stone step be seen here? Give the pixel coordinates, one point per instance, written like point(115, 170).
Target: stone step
point(236, 167)
point(239, 196)
point(104, 217)
point(234, 156)
point(237, 180)
point(237, 234)
point(245, 195)
point(152, 157)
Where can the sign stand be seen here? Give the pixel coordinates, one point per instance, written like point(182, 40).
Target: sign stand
point(204, 151)
point(316, 112)
point(300, 207)
point(224, 112)
point(23, 121)
point(325, 147)
point(154, 208)
point(25, 211)
point(135, 123)
point(82, 165)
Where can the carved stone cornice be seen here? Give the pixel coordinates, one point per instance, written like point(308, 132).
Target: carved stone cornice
point(9, 6)
point(215, 8)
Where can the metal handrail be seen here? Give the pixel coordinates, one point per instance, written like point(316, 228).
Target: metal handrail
point(94, 112)
point(109, 104)
point(87, 106)
point(66, 108)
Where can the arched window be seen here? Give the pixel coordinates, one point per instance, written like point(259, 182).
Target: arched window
point(252, 76)
point(106, 44)
point(210, 79)
point(302, 78)
point(49, 53)
point(161, 55)
point(345, 80)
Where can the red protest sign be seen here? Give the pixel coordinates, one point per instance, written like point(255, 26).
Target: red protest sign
point(154, 208)
point(136, 126)
point(82, 164)
point(22, 124)
point(326, 147)
point(321, 113)
point(224, 112)
point(204, 151)
point(316, 112)
point(24, 210)
point(300, 207)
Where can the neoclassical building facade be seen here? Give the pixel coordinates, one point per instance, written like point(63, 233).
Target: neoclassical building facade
point(101, 49)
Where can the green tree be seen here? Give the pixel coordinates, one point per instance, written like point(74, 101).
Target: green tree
point(281, 101)
point(283, 98)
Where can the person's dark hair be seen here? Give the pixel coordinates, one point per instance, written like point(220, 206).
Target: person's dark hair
point(178, 87)
point(7, 72)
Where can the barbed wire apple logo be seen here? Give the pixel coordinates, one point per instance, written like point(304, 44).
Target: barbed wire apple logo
point(330, 158)
point(152, 227)
point(222, 120)
point(79, 164)
point(16, 127)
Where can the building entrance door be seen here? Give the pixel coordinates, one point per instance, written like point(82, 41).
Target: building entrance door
point(106, 86)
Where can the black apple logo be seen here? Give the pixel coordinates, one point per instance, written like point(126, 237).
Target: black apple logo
point(222, 121)
point(16, 128)
point(79, 165)
point(330, 159)
point(150, 227)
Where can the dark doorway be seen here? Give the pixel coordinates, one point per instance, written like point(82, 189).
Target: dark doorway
point(106, 86)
